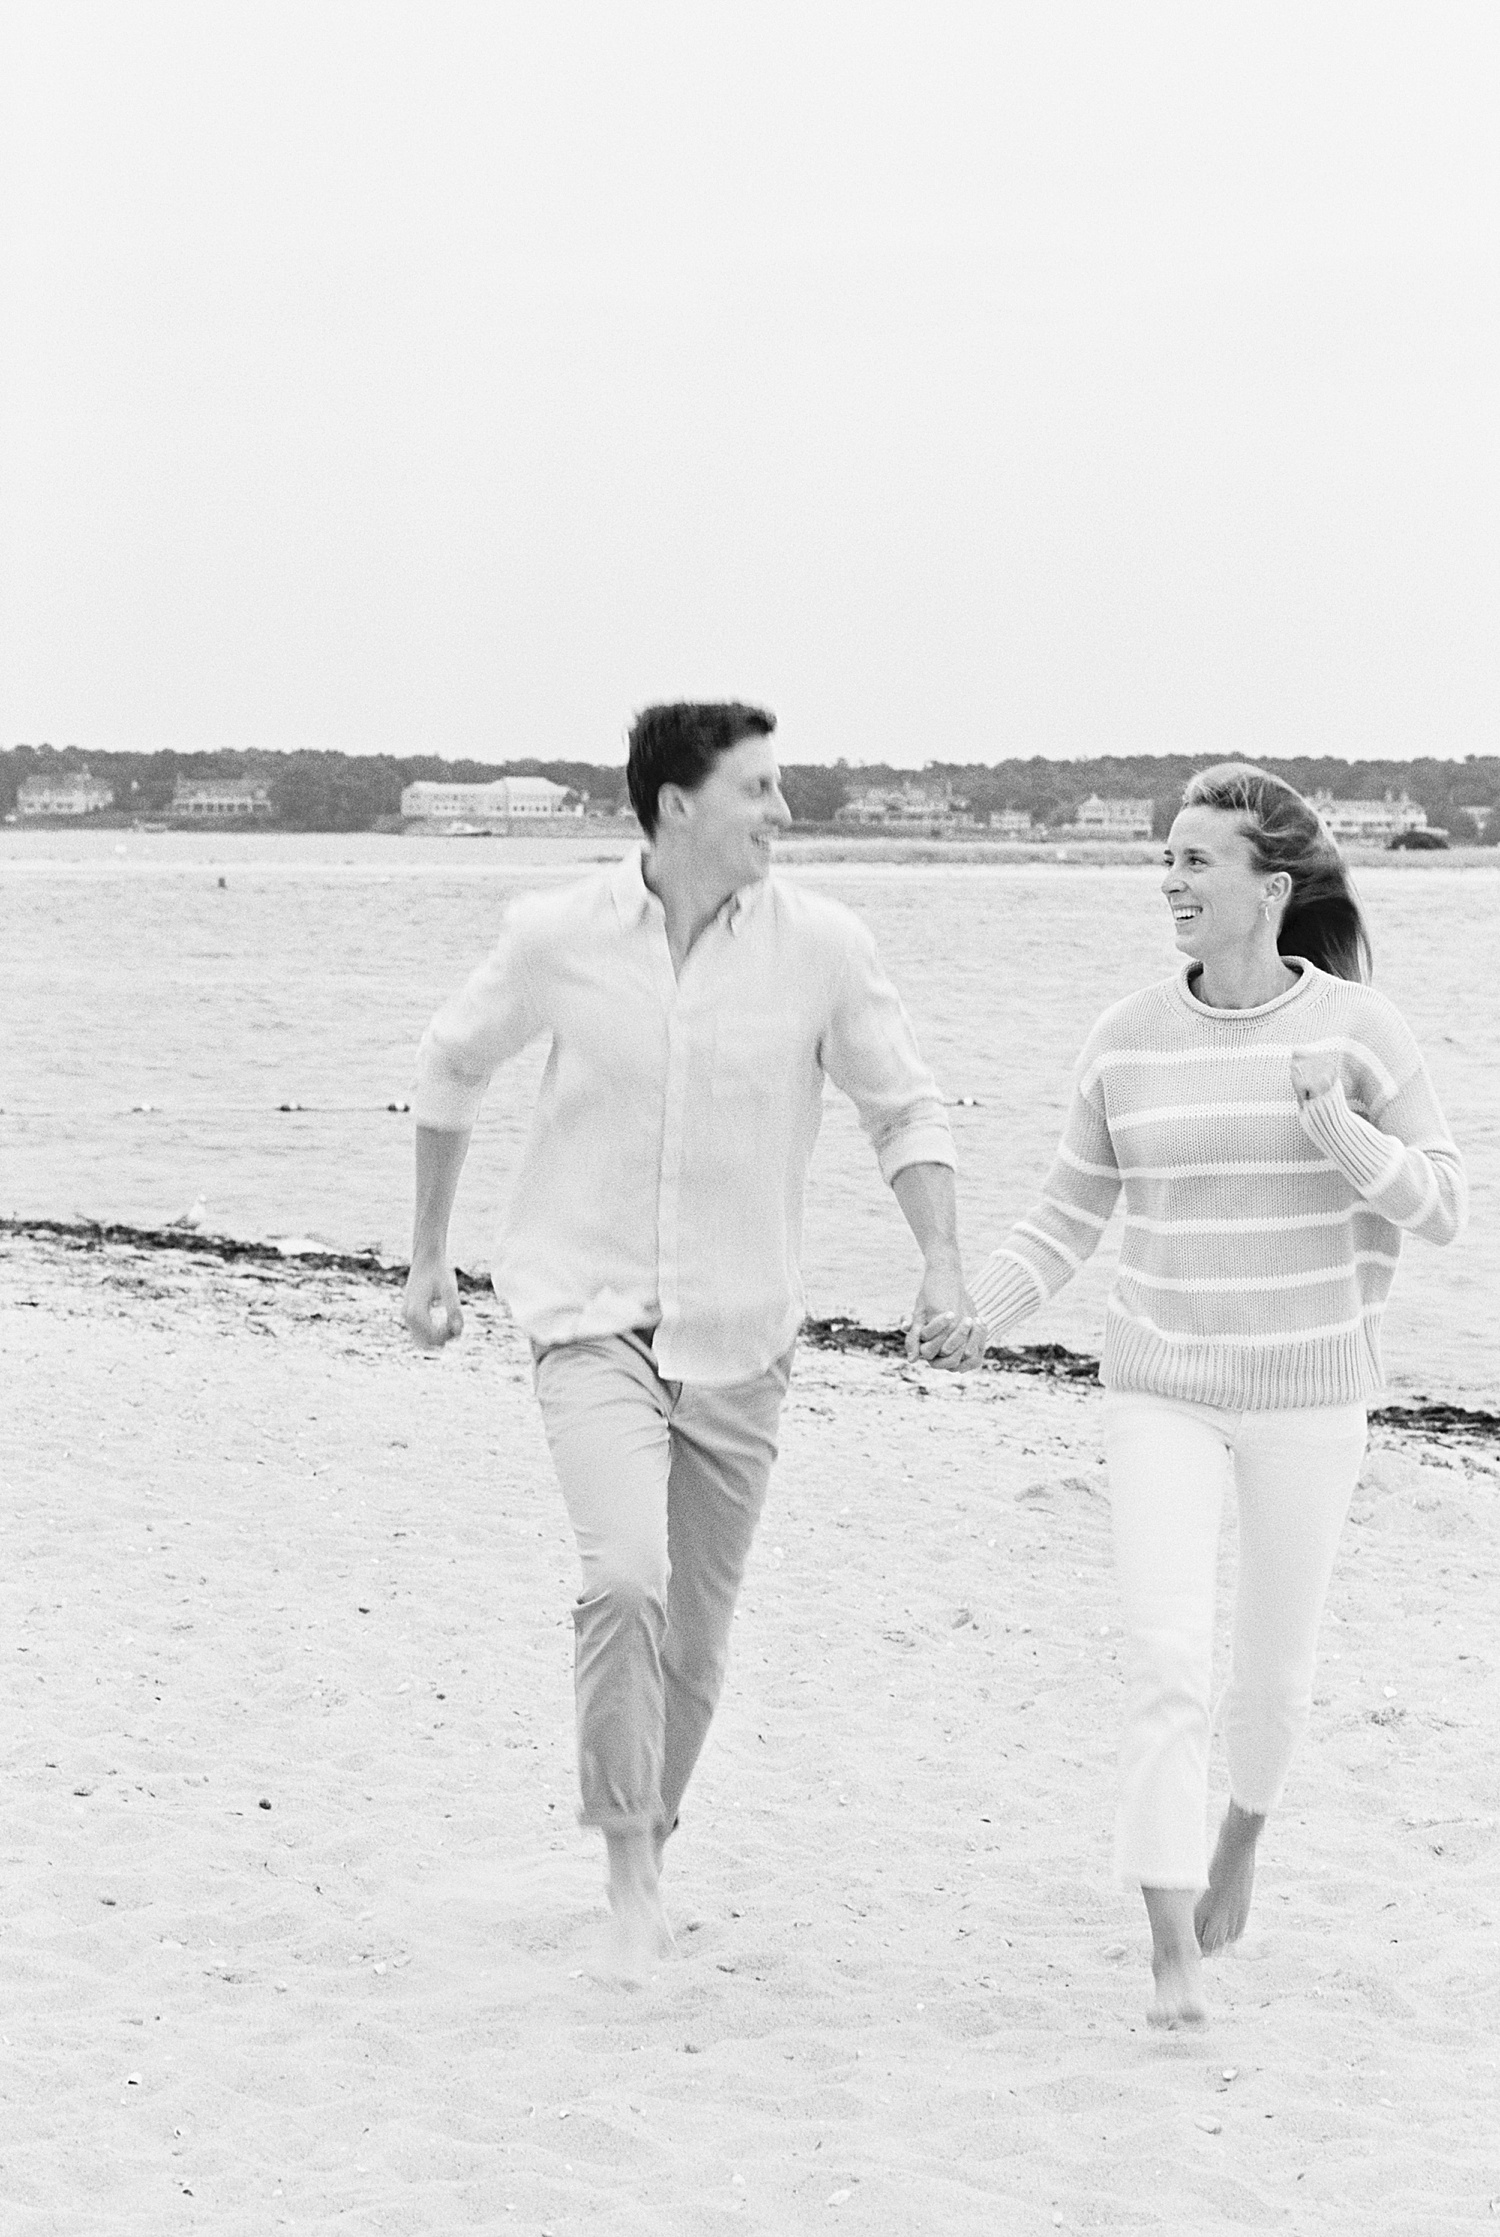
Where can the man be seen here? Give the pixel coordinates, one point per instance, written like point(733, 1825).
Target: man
point(694, 1005)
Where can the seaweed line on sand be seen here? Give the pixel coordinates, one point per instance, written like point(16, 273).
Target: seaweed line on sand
point(835, 1332)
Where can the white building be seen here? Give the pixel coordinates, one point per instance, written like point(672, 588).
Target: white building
point(1370, 821)
point(907, 804)
point(219, 800)
point(1011, 823)
point(508, 799)
point(1113, 819)
point(75, 794)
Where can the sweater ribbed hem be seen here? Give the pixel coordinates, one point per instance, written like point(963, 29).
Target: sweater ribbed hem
point(1277, 1376)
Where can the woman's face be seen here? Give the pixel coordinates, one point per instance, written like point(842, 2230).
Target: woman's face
point(1216, 894)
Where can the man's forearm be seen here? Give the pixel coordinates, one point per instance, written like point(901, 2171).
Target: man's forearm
point(929, 1201)
point(943, 1329)
point(440, 1160)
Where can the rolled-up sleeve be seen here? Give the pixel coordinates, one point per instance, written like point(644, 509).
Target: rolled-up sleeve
point(488, 1020)
point(870, 1051)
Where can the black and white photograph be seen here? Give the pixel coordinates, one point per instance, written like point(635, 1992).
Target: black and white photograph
point(749, 1163)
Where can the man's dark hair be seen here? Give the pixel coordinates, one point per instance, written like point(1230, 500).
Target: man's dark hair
point(679, 745)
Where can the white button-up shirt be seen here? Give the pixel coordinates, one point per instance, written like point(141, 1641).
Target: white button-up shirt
point(662, 1181)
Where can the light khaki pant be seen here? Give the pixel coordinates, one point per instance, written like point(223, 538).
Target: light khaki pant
point(664, 1483)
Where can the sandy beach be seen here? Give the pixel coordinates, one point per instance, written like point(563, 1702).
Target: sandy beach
point(296, 1915)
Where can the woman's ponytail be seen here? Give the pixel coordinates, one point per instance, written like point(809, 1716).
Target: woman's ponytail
point(1322, 920)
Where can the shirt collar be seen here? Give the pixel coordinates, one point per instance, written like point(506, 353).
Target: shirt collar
point(741, 905)
point(631, 892)
point(633, 897)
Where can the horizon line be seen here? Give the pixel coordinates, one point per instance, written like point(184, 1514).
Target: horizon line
point(435, 753)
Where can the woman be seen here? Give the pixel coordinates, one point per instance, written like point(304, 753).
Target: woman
point(1274, 1129)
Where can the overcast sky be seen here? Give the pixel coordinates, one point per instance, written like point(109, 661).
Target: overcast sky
point(959, 381)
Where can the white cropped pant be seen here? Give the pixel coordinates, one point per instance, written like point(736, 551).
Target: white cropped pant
point(1170, 1464)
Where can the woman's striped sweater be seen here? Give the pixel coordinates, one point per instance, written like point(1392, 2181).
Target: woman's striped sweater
point(1261, 1236)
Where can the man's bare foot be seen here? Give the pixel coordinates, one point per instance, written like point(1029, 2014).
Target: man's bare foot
point(1176, 1966)
point(638, 1936)
point(1224, 1906)
point(635, 1942)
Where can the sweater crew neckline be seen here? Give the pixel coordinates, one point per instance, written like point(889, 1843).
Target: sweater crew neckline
point(1303, 984)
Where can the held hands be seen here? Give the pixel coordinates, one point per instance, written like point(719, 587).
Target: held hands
point(943, 1328)
point(1314, 1072)
point(430, 1307)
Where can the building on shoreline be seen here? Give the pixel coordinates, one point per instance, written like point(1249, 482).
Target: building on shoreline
point(506, 800)
point(1096, 818)
point(219, 800)
point(911, 807)
point(1370, 821)
point(74, 794)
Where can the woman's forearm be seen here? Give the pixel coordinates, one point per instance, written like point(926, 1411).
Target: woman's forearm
point(1420, 1188)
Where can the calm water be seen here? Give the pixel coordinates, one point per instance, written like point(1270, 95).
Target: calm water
point(133, 978)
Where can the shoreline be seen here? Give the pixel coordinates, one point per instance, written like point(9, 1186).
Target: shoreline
point(603, 841)
point(832, 1333)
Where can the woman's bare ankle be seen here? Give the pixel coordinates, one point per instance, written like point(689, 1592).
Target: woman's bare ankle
point(1223, 1909)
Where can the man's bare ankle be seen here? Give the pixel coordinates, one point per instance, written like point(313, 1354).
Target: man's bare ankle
point(634, 1865)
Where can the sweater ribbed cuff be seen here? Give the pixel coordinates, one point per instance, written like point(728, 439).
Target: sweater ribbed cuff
point(1004, 1291)
point(1367, 1157)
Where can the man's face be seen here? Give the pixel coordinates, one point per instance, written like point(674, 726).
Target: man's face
point(734, 816)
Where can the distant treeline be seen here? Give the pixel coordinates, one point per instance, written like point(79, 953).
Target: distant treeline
point(353, 792)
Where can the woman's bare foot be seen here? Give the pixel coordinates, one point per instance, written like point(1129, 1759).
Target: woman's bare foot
point(1224, 1906)
point(638, 1936)
point(1176, 1966)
